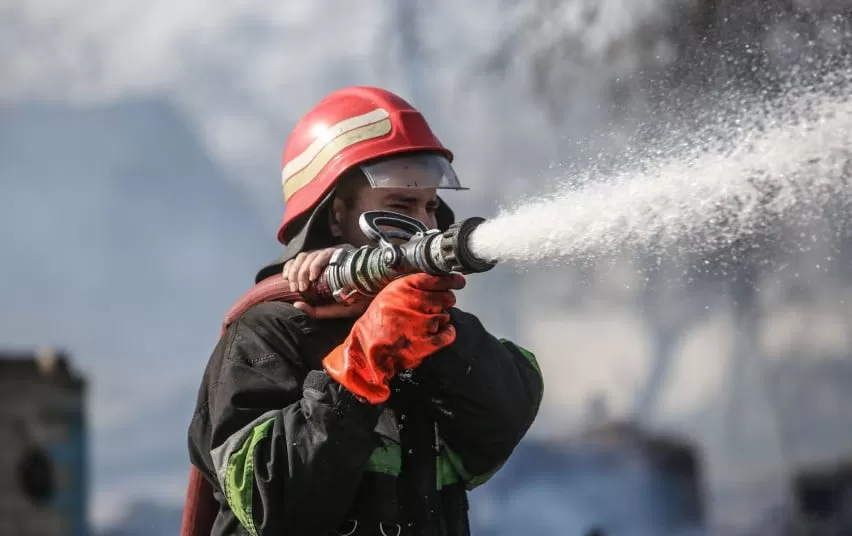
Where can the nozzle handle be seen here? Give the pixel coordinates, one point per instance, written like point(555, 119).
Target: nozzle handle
point(402, 226)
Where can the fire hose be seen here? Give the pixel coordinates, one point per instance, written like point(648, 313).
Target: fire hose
point(404, 246)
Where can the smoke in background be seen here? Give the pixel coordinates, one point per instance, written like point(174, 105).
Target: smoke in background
point(243, 72)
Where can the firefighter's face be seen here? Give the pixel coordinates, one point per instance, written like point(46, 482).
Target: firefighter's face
point(419, 203)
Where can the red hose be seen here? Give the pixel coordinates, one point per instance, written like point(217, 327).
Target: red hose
point(200, 507)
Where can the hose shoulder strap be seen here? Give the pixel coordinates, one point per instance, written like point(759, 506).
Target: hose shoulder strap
point(200, 506)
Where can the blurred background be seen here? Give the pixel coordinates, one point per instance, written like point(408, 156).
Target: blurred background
point(139, 178)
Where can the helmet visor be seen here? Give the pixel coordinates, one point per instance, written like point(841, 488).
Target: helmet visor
point(413, 171)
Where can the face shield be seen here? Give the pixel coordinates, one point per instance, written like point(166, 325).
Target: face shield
point(423, 170)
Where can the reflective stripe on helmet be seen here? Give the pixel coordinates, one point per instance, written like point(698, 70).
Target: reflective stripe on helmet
point(349, 127)
point(302, 169)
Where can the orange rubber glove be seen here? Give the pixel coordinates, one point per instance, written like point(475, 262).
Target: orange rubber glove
point(406, 322)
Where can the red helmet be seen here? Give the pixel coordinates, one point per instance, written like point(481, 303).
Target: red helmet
point(352, 127)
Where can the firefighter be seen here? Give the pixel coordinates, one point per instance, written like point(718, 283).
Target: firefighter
point(369, 419)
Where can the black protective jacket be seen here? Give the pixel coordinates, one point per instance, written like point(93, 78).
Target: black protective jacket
point(289, 451)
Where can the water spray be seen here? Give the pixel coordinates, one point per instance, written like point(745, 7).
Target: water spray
point(781, 165)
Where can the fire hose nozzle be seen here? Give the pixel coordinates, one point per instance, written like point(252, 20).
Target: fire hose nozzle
point(404, 245)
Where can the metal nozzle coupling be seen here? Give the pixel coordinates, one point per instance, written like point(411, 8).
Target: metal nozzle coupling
point(365, 271)
point(454, 249)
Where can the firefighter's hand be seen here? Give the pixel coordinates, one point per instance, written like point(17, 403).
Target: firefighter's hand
point(307, 266)
point(408, 321)
point(305, 269)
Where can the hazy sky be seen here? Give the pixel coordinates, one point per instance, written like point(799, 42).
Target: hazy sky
point(243, 72)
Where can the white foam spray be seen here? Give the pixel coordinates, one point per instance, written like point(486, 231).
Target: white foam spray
point(779, 162)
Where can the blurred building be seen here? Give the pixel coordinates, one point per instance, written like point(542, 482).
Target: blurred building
point(615, 479)
point(43, 462)
point(824, 499)
point(668, 468)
